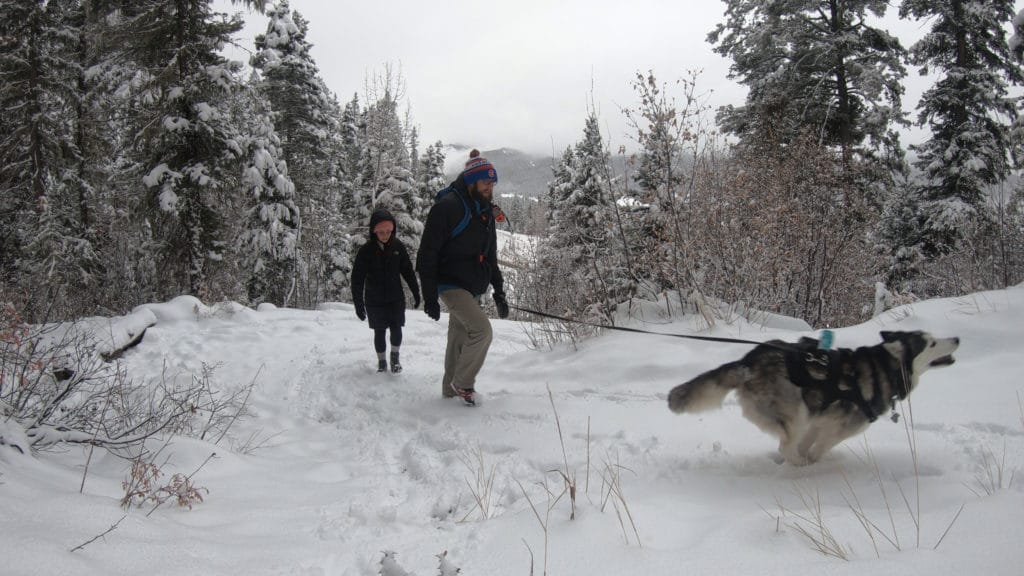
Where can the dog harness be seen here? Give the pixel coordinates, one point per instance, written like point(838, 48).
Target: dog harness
point(828, 372)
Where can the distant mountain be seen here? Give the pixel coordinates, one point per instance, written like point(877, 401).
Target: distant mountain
point(519, 173)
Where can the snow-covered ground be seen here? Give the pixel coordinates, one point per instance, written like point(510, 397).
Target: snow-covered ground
point(356, 463)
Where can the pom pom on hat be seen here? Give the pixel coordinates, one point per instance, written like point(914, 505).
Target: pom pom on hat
point(478, 168)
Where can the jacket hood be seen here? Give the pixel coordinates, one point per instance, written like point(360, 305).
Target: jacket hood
point(381, 215)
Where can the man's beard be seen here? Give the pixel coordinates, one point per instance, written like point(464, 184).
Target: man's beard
point(475, 191)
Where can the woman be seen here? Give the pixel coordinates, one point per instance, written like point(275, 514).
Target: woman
point(377, 291)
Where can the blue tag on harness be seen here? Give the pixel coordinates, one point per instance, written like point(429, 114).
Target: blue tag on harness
point(825, 342)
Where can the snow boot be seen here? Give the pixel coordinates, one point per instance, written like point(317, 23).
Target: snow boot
point(396, 367)
point(468, 395)
point(382, 365)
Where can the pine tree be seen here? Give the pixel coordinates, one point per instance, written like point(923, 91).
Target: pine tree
point(430, 179)
point(188, 144)
point(43, 237)
point(271, 241)
point(579, 250)
point(306, 117)
point(968, 112)
point(386, 173)
point(814, 66)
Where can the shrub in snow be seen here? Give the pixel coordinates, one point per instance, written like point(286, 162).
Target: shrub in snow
point(389, 565)
point(142, 486)
point(446, 568)
point(57, 387)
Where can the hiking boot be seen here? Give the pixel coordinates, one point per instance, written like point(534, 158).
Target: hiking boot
point(396, 367)
point(468, 395)
point(382, 365)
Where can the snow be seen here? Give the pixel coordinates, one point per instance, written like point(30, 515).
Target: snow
point(349, 465)
point(108, 335)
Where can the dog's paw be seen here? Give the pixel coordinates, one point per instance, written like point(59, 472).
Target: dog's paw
point(778, 458)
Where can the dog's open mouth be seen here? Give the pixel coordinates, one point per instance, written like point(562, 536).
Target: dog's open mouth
point(944, 361)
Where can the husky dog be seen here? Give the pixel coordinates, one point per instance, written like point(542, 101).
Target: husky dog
point(813, 399)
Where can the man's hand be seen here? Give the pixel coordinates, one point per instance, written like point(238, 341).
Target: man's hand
point(501, 305)
point(360, 313)
point(433, 309)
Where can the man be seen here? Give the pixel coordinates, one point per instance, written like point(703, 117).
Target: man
point(457, 260)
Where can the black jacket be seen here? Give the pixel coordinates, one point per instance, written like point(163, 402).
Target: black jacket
point(377, 271)
point(470, 259)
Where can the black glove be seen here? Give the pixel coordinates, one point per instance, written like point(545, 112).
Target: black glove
point(360, 312)
point(501, 304)
point(433, 309)
point(415, 300)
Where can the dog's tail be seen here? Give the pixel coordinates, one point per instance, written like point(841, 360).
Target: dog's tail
point(707, 391)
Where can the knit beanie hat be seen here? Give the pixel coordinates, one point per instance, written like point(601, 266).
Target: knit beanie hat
point(478, 168)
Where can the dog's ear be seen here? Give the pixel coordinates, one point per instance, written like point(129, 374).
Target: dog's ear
point(889, 336)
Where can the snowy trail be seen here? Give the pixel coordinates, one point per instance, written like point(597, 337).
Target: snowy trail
point(358, 463)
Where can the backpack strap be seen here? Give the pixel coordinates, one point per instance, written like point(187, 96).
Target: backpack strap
point(466, 215)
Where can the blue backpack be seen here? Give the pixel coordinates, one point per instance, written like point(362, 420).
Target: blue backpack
point(464, 222)
point(496, 212)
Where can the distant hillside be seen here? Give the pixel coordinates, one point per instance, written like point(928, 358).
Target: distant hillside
point(518, 172)
point(524, 174)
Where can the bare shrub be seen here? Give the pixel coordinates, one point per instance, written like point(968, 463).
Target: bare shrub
point(143, 485)
point(783, 231)
point(56, 387)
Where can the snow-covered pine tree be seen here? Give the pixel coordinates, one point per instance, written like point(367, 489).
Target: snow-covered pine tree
point(548, 286)
point(584, 227)
point(579, 270)
point(816, 66)
point(43, 227)
point(386, 174)
point(187, 143)
point(306, 117)
point(270, 243)
point(968, 111)
point(351, 130)
point(430, 180)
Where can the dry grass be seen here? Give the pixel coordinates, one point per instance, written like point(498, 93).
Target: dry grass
point(545, 520)
point(569, 477)
point(1020, 406)
point(991, 474)
point(482, 483)
point(811, 524)
point(612, 492)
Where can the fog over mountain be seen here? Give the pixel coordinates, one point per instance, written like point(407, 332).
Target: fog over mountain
point(519, 173)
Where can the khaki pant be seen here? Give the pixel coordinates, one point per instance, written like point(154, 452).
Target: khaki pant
point(469, 338)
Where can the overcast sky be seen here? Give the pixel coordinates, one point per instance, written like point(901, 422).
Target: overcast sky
point(522, 74)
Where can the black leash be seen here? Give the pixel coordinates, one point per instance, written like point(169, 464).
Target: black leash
point(796, 358)
point(637, 330)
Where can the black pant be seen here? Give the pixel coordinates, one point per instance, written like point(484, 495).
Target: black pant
point(379, 343)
